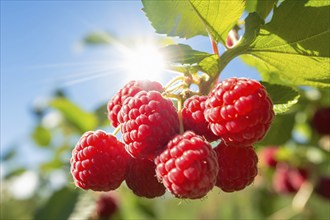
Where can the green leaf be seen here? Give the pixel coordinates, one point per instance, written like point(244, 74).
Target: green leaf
point(15, 172)
point(59, 206)
point(220, 16)
point(266, 76)
point(283, 97)
point(262, 7)
point(85, 206)
point(79, 118)
point(280, 130)
point(101, 114)
point(189, 18)
point(317, 3)
point(98, 38)
point(295, 44)
point(183, 54)
point(51, 165)
point(210, 65)
point(325, 97)
point(41, 136)
point(8, 155)
point(174, 18)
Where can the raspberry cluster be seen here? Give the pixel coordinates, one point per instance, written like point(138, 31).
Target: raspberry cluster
point(165, 148)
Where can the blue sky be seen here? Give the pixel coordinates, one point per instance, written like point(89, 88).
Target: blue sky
point(41, 51)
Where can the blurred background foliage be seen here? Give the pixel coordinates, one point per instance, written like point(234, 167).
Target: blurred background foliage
point(46, 190)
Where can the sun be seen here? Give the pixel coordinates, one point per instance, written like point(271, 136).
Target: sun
point(144, 61)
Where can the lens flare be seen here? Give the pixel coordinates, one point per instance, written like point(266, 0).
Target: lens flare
point(143, 62)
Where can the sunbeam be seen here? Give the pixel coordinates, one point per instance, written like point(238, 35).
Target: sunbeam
point(143, 62)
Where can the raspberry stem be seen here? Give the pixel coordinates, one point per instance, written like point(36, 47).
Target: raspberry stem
point(298, 203)
point(114, 133)
point(176, 79)
point(303, 195)
point(180, 115)
point(214, 46)
point(169, 90)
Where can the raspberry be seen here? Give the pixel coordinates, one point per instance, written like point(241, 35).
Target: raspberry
point(141, 178)
point(193, 117)
point(237, 167)
point(148, 122)
point(106, 206)
point(323, 187)
point(188, 167)
point(288, 179)
point(129, 90)
point(321, 120)
point(98, 162)
point(239, 111)
point(232, 38)
point(268, 156)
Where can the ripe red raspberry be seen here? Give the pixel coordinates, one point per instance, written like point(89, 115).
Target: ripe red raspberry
point(323, 187)
point(98, 162)
point(268, 156)
point(106, 206)
point(239, 111)
point(129, 90)
point(141, 178)
point(193, 117)
point(237, 167)
point(321, 120)
point(288, 179)
point(148, 122)
point(188, 167)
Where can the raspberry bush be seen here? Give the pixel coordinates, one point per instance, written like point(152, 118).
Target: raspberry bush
point(206, 129)
point(197, 131)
